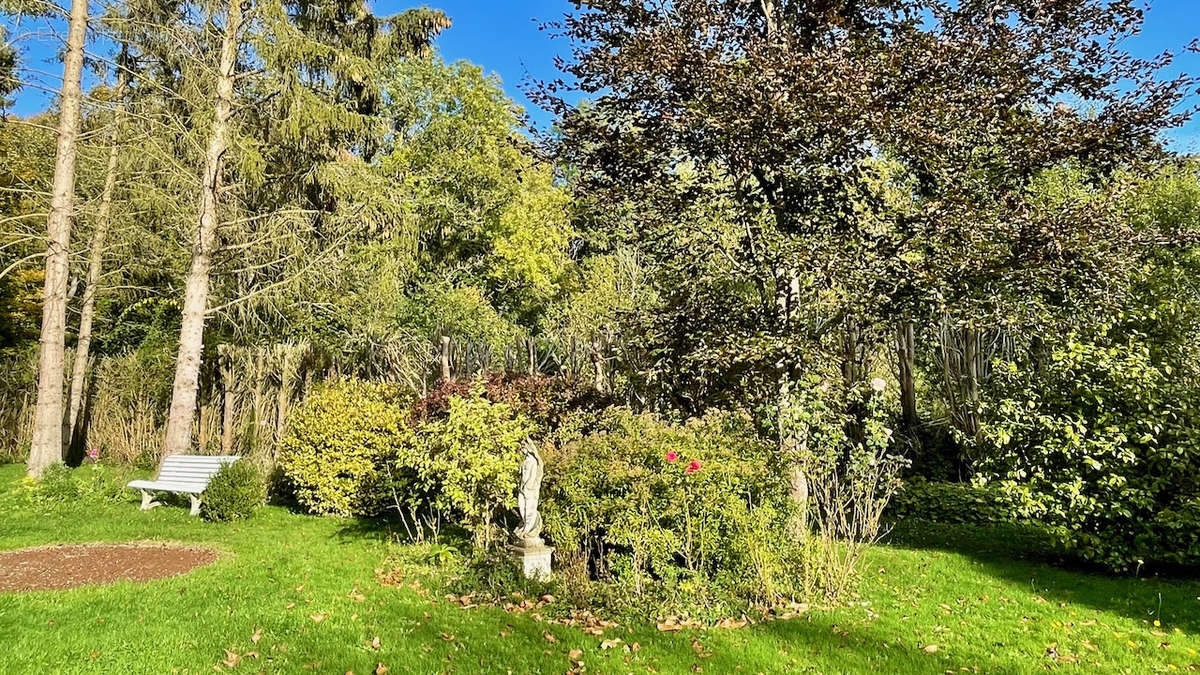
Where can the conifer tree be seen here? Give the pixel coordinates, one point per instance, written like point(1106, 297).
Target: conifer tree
point(303, 75)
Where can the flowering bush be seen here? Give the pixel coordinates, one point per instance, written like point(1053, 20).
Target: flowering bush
point(686, 516)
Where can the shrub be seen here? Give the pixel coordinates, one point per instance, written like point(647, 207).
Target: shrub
point(466, 464)
point(1098, 445)
point(688, 517)
point(234, 492)
point(546, 401)
point(338, 443)
point(953, 503)
point(91, 484)
point(57, 485)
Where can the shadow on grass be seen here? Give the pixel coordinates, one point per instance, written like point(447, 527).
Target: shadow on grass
point(1028, 557)
point(372, 529)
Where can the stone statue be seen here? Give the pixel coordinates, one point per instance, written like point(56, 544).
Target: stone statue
point(529, 490)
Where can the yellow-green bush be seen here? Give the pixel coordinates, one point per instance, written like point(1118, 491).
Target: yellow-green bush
point(337, 443)
point(467, 463)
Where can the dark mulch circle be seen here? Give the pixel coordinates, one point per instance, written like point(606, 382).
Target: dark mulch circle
point(72, 565)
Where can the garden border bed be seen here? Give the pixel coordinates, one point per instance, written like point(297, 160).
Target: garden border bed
point(73, 565)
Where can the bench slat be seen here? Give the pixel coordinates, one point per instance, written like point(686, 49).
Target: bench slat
point(190, 472)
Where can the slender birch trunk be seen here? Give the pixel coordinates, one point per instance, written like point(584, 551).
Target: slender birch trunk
point(195, 302)
point(47, 445)
point(96, 264)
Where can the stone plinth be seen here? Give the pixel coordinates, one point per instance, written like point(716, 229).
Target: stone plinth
point(535, 558)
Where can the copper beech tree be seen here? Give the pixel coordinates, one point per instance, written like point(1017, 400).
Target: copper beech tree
point(810, 177)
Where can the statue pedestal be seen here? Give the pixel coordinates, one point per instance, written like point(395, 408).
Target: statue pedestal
point(535, 558)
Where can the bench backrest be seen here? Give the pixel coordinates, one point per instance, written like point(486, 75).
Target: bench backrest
point(192, 471)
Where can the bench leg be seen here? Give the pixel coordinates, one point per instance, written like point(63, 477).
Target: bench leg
point(148, 501)
point(195, 505)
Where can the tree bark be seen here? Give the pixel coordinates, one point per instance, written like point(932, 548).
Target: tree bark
point(229, 388)
point(195, 303)
point(972, 370)
point(47, 444)
point(445, 358)
point(96, 264)
point(905, 357)
point(599, 380)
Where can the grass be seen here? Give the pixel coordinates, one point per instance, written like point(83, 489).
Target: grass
point(307, 587)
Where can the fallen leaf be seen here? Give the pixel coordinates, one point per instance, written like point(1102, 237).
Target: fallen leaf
point(380, 669)
point(931, 649)
point(318, 618)
point(448, 637)
point(610, 644)
point(231, 659)
point(549, 637)
point(257, 635)
point(375, 643)
point(574, 654)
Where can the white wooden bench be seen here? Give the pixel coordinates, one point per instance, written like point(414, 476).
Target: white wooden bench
point(182, 474)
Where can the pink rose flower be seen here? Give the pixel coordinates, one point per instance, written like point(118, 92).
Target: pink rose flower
point(672, 456)
point(692, 467)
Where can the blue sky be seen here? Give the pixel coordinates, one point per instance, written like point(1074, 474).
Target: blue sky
point(503, 37)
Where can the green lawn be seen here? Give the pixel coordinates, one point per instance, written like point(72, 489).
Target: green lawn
point(967, 591)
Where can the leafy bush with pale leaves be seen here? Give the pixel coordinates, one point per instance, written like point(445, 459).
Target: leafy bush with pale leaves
point(466, 463)
point(339, 443)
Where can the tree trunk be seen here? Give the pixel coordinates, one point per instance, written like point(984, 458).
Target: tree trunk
point(599, 379)
point(972, 370)
point(445, 358)
point(47, 444)
point(905, 357)
point(228, 387)
point(195, 303)
point(96, 265)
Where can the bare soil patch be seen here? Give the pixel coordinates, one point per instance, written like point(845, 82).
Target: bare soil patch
point(72, 565)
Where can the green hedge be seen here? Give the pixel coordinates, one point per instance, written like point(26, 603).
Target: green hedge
point(949, 503)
